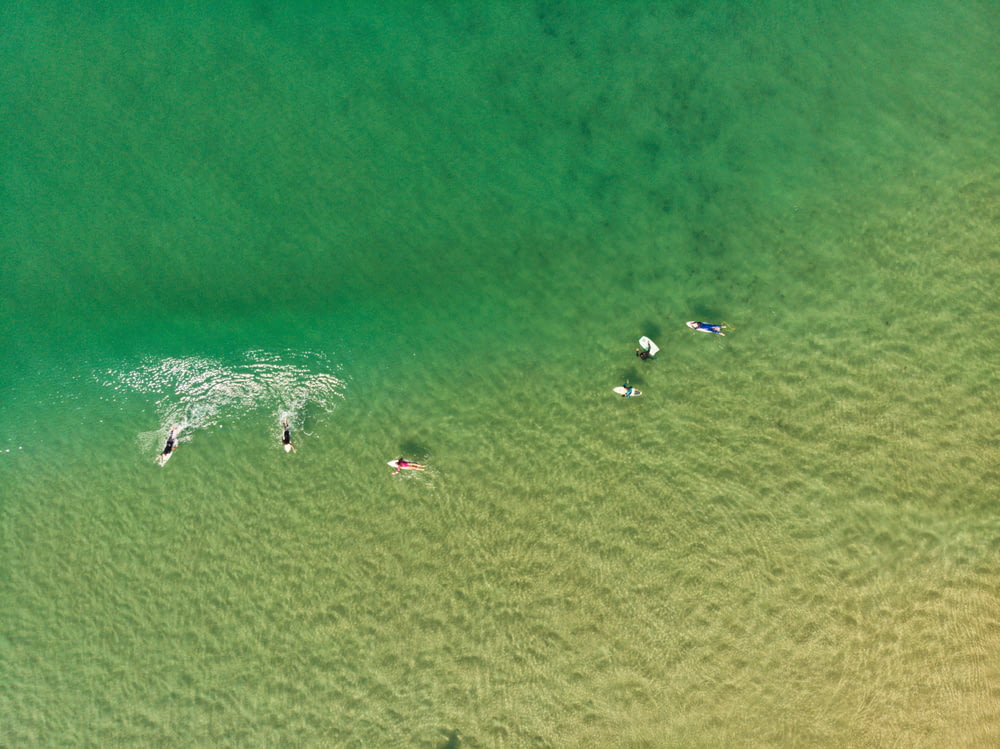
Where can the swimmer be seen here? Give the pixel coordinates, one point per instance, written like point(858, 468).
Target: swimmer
point(643, 353)
point(169, 448)
point(286, 436)
point(705, 327)
point(405, 465)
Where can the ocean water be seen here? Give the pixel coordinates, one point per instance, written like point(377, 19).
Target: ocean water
point(437, 231)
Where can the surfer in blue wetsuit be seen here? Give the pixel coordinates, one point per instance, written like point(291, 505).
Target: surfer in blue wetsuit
point(286, 436)
point(628, 390)
point(706, 327)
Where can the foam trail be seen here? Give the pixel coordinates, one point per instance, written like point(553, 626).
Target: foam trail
point(199, 392)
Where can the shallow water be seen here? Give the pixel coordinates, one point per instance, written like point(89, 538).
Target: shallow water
point(440, 233)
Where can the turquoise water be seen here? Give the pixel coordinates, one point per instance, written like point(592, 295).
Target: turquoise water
point(439, 232)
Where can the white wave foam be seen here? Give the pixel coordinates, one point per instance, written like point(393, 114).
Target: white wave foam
point(200, 392)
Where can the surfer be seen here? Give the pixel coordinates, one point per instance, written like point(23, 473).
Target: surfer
point(286, 436)
point(706, 327)
point(629, 390)
point(169, 447)
point(405, 465)
point(648, 349)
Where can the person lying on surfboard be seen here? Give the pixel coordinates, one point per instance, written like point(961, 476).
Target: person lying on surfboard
point(706, 327)
point(286, 436)
point(169, 447)
point(629, 390)
point(406, 465)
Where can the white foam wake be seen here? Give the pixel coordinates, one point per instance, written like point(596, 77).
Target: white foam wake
point(200, 392)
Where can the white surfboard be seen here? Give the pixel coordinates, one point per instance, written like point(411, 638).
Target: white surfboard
point(393, 464)
point(647, 344)
point(623, 392)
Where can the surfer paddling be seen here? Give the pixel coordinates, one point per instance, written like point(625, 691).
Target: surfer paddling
point(405, 465)
point(706, 327)
point(286, 436)
point(168, 448)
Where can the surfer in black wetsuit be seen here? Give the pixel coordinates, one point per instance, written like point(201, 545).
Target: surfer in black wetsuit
point(169, 447)
point(286, 436)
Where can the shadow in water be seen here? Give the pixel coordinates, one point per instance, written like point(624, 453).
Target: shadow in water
point(651, 329)
point(632, 376)
point(702, 313)
point(414, 449)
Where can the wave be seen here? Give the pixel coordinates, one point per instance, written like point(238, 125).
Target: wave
point(200, 392)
